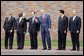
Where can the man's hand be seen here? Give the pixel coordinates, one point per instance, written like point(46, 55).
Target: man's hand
point(69, 31)
point(3, 29)
point(11, 30)
point(36, 20)
point(64, 31)
point(24, 32)
point(37, 32)
point(77, 31)
point(14, 31)
point(49, 29)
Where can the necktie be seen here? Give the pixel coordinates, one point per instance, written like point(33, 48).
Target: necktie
point(43, 19)
point(60, 18)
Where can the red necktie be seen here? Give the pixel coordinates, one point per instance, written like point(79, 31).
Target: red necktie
point(43, 18)
point(60, 18)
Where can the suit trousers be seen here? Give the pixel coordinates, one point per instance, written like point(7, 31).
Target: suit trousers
point(33, 40)
point(75, 40)
point(20, 40)
point(9, 36)
point(61, 41)
point(46, 36)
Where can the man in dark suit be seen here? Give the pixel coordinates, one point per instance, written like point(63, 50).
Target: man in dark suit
point(45, 22)
point(62, 30)
point(21, 27)
point(74, 27)
point(33, 30)
point(9, 27)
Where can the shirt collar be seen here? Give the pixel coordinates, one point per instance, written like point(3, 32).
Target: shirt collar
point(20, 17)
point(62, 16)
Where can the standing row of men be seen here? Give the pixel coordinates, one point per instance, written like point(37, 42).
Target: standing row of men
point(20, 25)
point(74, 28)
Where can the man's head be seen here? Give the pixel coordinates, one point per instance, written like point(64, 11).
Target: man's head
point(9, 13)
point(61, 12)
point(33, 13)
point(74, 12)
point(20, 14)
point(42, 11)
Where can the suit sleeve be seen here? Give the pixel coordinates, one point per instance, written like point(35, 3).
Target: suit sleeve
point(38, 25)
point(79, 24)
point(4, 26)
point(66, 23)
point(14, 24)
point(38, 20)
point(70, 24)
point(25, 26)
point(49, 21)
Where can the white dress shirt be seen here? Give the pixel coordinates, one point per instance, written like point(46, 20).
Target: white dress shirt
point(62, 16)
point(9, 18)
point(74, 18)
point(33, 19)
point(20, 19)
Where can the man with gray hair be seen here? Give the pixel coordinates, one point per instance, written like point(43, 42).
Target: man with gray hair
point(45, 22)
point(74, 27)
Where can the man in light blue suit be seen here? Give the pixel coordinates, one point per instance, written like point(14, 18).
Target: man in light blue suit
point(45, 22)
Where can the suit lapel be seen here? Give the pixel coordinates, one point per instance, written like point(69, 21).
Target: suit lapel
point(41, 19)
point(21, 20)
point(75, 18)
point(9, 19)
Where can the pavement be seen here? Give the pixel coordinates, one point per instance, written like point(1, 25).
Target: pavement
point(39, 51)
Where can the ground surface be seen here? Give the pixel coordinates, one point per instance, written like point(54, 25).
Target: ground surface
point(39, 51)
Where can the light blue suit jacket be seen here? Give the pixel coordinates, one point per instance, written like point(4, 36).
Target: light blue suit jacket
point(47, 22)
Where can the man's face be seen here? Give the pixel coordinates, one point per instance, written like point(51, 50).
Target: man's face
point(23, 14)
point(60, 14)
point(74, 13)
point(33, 14)
point(42, 12)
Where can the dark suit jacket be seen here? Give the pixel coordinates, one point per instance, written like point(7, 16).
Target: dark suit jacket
point(63, 24)
point(22, 26)
point(9, 25)
point(74, 25)
point(33, 27)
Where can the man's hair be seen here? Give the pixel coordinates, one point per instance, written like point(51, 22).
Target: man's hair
point(33, 12)
point(42, 10)
point(75, 11)
point(20, 14)
point(61, 11)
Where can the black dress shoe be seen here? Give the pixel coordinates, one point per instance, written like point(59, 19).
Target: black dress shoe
point(10, 48)
point(78, 50)
point(58, 49)
point(18, 48)
point(6, 48)
point(63, 49)
point(35, 48)
point(73, 49)
point(44, 48)
point(49, 48)
point(31, 48)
